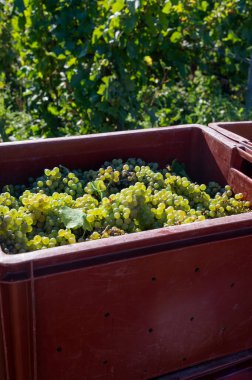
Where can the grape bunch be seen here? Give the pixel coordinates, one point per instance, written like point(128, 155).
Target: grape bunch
point(65, 206)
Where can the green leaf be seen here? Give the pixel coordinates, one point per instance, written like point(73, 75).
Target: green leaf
point(133, 5)
point(179, 169)
point(53, 110)
point(232, 37)
point(99, 188)
point(61, 56)
point(204, 5)
point(175, 37)
point(97, 33)
point(118, 6)
point(18, 4)
point(83, 51)
point(74, 218)
point(166, 9)
point(71, 62)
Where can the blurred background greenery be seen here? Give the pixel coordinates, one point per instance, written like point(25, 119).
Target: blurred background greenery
point(74, 67)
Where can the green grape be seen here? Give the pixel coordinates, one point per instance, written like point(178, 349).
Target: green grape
point(120, 197)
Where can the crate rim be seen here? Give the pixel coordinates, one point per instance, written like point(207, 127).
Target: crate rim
point(102, 135)
point(209, 228)
point(173, 233)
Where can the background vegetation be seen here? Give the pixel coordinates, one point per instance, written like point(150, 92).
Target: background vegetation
point(76, 67)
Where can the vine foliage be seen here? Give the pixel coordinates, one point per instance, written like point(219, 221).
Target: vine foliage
point(108, 65)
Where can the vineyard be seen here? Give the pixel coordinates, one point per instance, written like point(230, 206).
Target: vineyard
point(71, 67)
point(125, 245)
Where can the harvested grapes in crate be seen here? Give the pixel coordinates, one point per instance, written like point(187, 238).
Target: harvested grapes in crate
point(68, 206)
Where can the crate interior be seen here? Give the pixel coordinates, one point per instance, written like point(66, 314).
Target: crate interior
point(206, 157)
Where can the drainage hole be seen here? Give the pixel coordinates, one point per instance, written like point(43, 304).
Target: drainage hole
point(232, 285)
point(59, 349)
point(150, 330)
point(106, 315)
point(196, 269)
point(105, 362)
point(153, 279)
point(184, 360)
point(191, 319)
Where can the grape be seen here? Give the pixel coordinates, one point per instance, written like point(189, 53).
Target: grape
point(120, 197)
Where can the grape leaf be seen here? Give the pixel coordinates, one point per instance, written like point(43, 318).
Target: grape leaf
point(176, 36)
point(179, 169)
point(74, 218)
point(166, 9)
point(99, 188)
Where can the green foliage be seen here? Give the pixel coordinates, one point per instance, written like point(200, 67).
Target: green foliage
point(105, 65)
point(18, 125)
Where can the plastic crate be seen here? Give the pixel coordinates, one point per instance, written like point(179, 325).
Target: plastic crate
point(135, 306)
point(240, 132)
point(233, 367)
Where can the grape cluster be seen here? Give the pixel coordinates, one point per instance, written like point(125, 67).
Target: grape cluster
point(68, 206)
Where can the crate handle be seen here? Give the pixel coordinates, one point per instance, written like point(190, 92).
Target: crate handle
point(229, 134)
point(245, 154)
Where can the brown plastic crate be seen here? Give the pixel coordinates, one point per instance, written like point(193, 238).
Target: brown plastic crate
point(135, 306)
point(232, 367)
point(240, 132)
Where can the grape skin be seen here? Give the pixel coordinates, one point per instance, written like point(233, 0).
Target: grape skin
point(120, 197)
